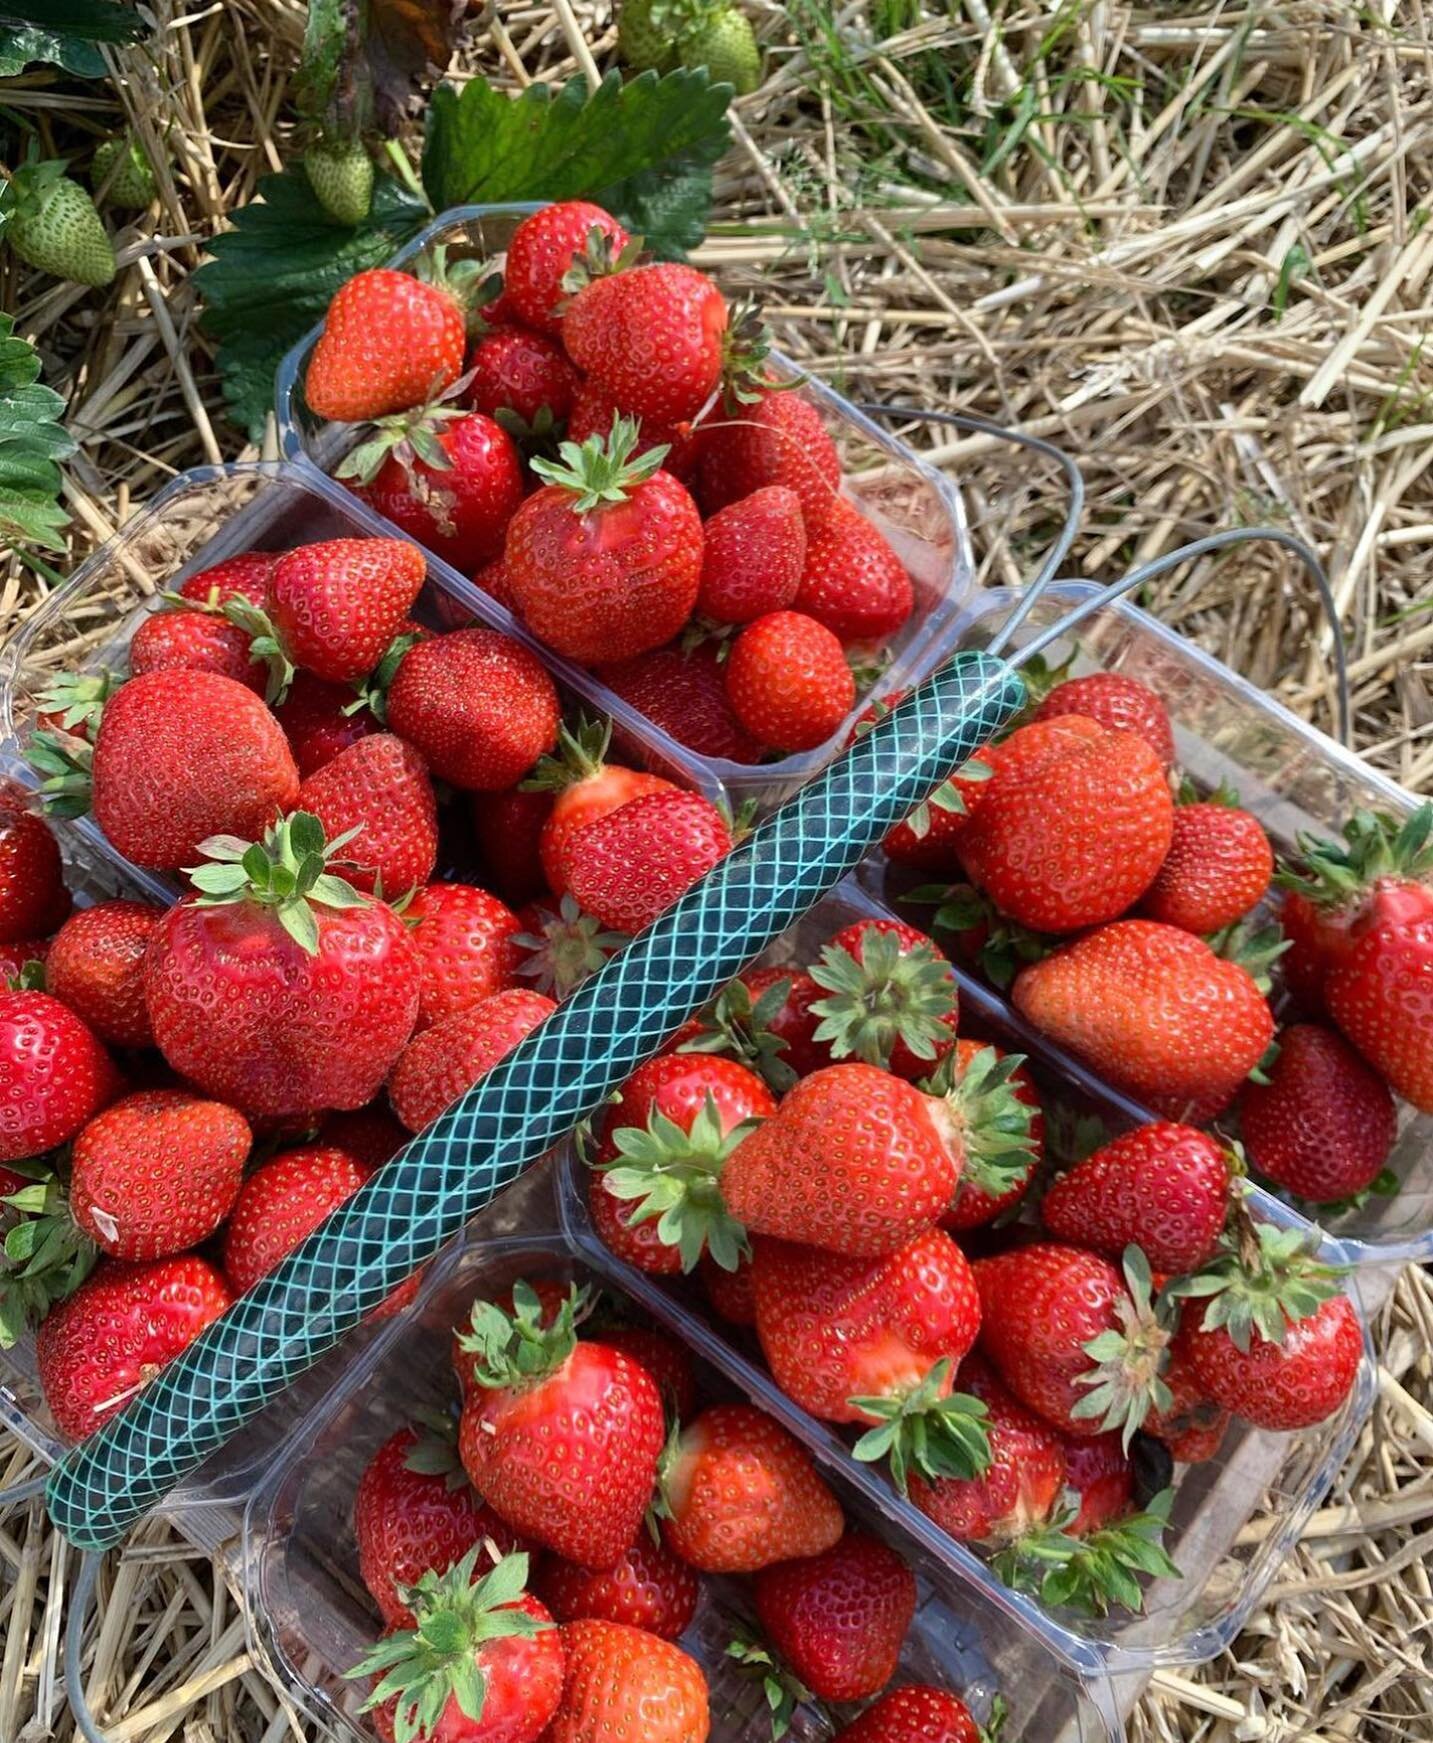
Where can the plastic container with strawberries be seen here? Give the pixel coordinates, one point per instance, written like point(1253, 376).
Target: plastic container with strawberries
point(845, 471)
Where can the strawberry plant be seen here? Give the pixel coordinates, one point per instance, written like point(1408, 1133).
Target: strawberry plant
point(31, 441)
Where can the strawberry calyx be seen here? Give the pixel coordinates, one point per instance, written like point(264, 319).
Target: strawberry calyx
point(1376, 847)
point(287, 871)
point(1263, 1280)
point(565, 948)
point(603, 468)
point(929, 1428)
point(674, 1176)
point(1224, 795)
point(518, 1348)
point(75, 700)
point(745, 350)
point(947, 796)
point(411, 438)
point(1005, 946)
point(739, 1027)
point(1127, 1380)
point(64, 765)
point(372, 692)
point(1040, 676)
point(425, 1666)
point(985, 1120)
point(1255, 946)
point(265, 643)
point(435, 1452)
point(581, 755)
point(461, 280)
point(600, 257)
point(45, 1255)
point(1090, 1573)
point(783, 1689)
point(29, 978)
point(890, 994)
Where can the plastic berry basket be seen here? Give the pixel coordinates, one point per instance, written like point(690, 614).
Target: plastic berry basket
point(1235, 1517)
point(1292, 776)
point(309, 1618)
point(918, 508)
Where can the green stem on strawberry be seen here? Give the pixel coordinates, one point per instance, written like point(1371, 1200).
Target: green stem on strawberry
point(76, 699)
point(601, 469)
point(993, 1128)
point(675, 1176)
point(46, 1256)
point(891, 994)
point(1004, 947)
point(372, 692)
point(514, 1349)
point(1091, 1573)
point(287, 871)
point(783, 1689)
point(1263, 1280)
point(581, 753)
point(936, 1433)
point(947, 796)
point(64, 765)
point(566, 947)
point(739, 1027)
point(1375, 845)
point(1127, 1381)
point(1256, 946)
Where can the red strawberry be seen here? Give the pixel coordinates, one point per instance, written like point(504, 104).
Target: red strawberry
point(780, 439)
point(525, 374)
point(116, 1332)
point(774, 1032)
point(416, 1512)
point(54, 1074)
point(1119, 704)
point(334, 607)
point(651, 337)
point(1324, 1123)
point(587, 787)
point(1162, 1186)
point(992, 1111)
point(927, 839)
point(443, 1062)
point(753, 556)
point(157, 1172)
point(1073, 826)
point(545, 1402)
point(378, 792)
point(545, 248)
point(605, 560)
point(630, 865)
point(276, 1002)
point(740, 1493)
point(890, 998)
point(560, 948)
point(466, 948)
point(593, 410)
point(627, 1686)
point(245, 576)
point(492, 578)
point(667, 1361)
point(648, 1589)
point(916, 1713)
point(853, 581)
point(316, 719)
point(1191, 1425)
point(684, 693)
point(839, 1619)
point(1218, 867)
point(508, 827)
point(33, 898)
point(1153, 1009)
point(1099, 1473)
point(370, 1135)
point(477, 704)
point(731, 1293)
point(389, 341)
point(195, 641)
point(788, 682)
point(281, 1204)
point(95, 966)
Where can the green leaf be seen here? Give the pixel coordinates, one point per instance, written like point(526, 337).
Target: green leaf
point(98, 20)
point(32, 439)
point(30, 46)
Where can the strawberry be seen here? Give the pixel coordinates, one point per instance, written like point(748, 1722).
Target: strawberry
point(446, 1060)
point(551, 1295)
point(341, 174)
point(1218, 867)
point(927, 839)
point(508, 827)
point(651, 337)
point(586, 786)
point(839, 1619)
point(33, 898)
point(740, 1493)
point(648, 1589)
point(280, 989)
point(281, 1204)
point(1192, 1425)
point(605, 560)
point(54, 1074)
point(1323, 1123)
point(317, 721)
point(626, 1686)
point(890, 998)
point(120, 169)
point(117, 1331)
point(377, 795)
point(482, 1663)
point(916, 1713)
point(559, 949)
point(1163, 1186)
point(593, 411)
point(721, 39)
point(467, 948)
point(245, 576)
point(195, 641)
point(95, 966)
point(545, 1401)
point(1073, 826)
point(788, 682)
point(492, 578)
point(628, 866)
point(684, 693)
point(780, 438)
point(390, 340)
point(1154, 1009)
point(1119, 704)
point(853, 582)
point(1099, 1474)
point(477, 704)
point(545, 248)
point(992, 1112)
point(667, 1361)
point(416, 1512)
point(54, 226)
point(370, 1135)
point(448, 478)
point(766, 1019)
point(1090, 1572)
point(524, 374)
point(753, 556)
point(157, 1172)
point(732, 1294)
point(877, 1341)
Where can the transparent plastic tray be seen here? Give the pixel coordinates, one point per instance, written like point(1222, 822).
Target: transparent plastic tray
point(1235, 1517)
point(917, 507)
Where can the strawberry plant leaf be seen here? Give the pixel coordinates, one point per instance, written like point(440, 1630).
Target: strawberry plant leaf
point(63, 33)
point(32, 440)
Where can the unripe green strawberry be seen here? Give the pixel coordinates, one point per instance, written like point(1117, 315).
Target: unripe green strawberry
point(725, 44)
point(56, 228)
point(131, 185)
point(645, 35)
point(341, 176)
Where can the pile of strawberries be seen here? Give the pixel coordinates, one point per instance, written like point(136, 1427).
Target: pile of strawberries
point(534, 1564)
point(604, 450)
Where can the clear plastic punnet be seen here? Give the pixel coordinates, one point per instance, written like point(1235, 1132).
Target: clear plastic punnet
point(918, 508)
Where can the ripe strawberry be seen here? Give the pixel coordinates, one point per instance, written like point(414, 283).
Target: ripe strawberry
point(1192, 1425)
point(157, 1172)
point(667, 1361)
point(449, 478)
point(779, 439)
point(1218, 867)
point(316, 720)
point(764, 1018)
point(341, 174)
point(54, 226)
point(545, 1401)
point(788, 682)
point(1073, 826)
point(33, 898)
point(281, 1204)
point(853, 581)
point(651, 337)
point(524, 374)
point(492, 578)
point(195, 641)
point(890, 998)
point(281, 989)
point(1153, 1009)
point(732, 1294)
point(1119, 704)
point(1162, 1186)
point(482, 1663)
point(753, 556)
point(684, 693)
point(605, 560)
point(648, 1589)
point(416, 1512)
point(390, 340)
point(927, 839)
point(1098, 1472)
point(593, 412)
point(586, 786)
point(916, 1713)
point(377, 796)
point(54, 1074)
point(370, 1135)
point(467, 948)
point(245, 576)
point(116, 1332)
point(740, 1493)
point(559, 948)
point(545, 248)
point(839, 1619)
point(445, 1061)
point(626, 1686)
point(1324, 1123)
point(508, 827)
point(992, 1112)
point(477, 704)
point(628, 866)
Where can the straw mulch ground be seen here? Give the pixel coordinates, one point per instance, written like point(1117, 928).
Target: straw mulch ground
point(1186, 242)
